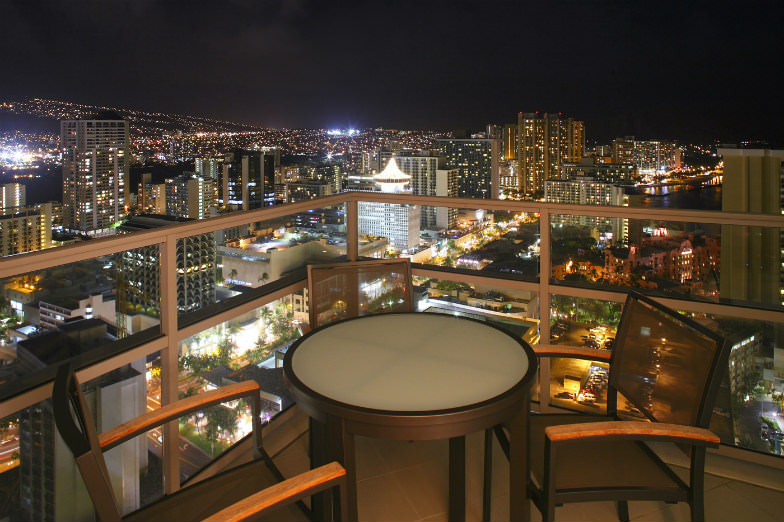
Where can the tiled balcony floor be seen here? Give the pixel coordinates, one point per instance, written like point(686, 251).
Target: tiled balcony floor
point(400, 481)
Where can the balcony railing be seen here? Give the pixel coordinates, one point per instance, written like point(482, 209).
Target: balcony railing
point(562, 302)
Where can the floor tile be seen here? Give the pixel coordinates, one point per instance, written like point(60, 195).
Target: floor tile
point(381, 499)
point(402, 480)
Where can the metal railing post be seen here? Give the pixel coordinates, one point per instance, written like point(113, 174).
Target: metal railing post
point(352, 230)
point(169, 367)
point(545, 269)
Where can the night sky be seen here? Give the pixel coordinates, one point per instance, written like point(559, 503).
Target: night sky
point(652, 69)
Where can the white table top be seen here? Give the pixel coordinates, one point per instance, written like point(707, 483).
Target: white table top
point(409, 362)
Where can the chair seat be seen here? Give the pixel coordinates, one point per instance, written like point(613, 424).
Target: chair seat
point(596, 464)
point(205, 498)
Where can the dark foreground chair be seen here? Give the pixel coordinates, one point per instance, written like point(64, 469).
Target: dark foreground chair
point(342, 290)
point(668, 368)
point(248, 491)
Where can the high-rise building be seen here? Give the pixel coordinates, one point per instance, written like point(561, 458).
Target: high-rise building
point(508, 176)
point(648, 156)
point(25, 229)
point(209, 167)
point(588, 191)
point(623, 150)
point(248, 179)
point(190, 196)
point(476, 160)
point(95, 172)
point(544, 143)
point(151, 197)
point(399, 223)
point(13, 195)
point(429, 178)
point(196, 267)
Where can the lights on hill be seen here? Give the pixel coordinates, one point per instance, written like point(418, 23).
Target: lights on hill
point(341, 132)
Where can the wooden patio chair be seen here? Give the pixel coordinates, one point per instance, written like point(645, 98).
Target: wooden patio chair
point(666, 366)
point(248, 491)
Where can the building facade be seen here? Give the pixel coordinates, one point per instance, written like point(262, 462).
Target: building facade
point(477, 163)
point(614, 173)
point(248, 179)
point(545, 142)
point(95, 173)
point(25, 229)
point(429, 178)
point(13, 195)
point(190, 196)
point(588, 191)
point(399, 223)
point(196, 268)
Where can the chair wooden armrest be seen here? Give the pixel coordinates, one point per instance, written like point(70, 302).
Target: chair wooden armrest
point(277, 496)
point(574, 353)
point(151, 419)
point(632, 430)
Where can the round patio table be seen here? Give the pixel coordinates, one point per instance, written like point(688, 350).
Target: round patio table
point(414, 376)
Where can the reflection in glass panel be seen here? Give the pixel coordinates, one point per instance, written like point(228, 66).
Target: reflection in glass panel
point(344, 290)
point(250, 346)
point(589, 323)
point(579, 384)
point(39, 477)
point(666, 257)
point(661, 257)
point(751, 400)
point(514, 310)
point(114, 398)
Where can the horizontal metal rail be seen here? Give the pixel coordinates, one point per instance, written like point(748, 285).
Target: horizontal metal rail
point(41, 259)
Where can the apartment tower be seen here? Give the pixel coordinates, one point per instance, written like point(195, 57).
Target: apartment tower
point(95, 173)
point(544, 142)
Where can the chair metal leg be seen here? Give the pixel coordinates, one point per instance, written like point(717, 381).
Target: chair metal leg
point(623, 511)
point(488, 476)
point(697, 485)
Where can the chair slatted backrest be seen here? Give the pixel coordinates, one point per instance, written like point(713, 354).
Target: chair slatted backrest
point(665, 364)
point(342, 290)
point(75, 423)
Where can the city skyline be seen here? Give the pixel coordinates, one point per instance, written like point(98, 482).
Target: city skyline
point(679, 72)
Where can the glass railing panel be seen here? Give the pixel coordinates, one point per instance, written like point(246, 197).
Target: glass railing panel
point(581, 384)
point(731, 264)
point(135, 466)
point(250, 346)
point(221, 265)
point(749, 410)
point(497, 242)
point(33, 460)
point(581, 322)
point(39, 477)
point(82, 312)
